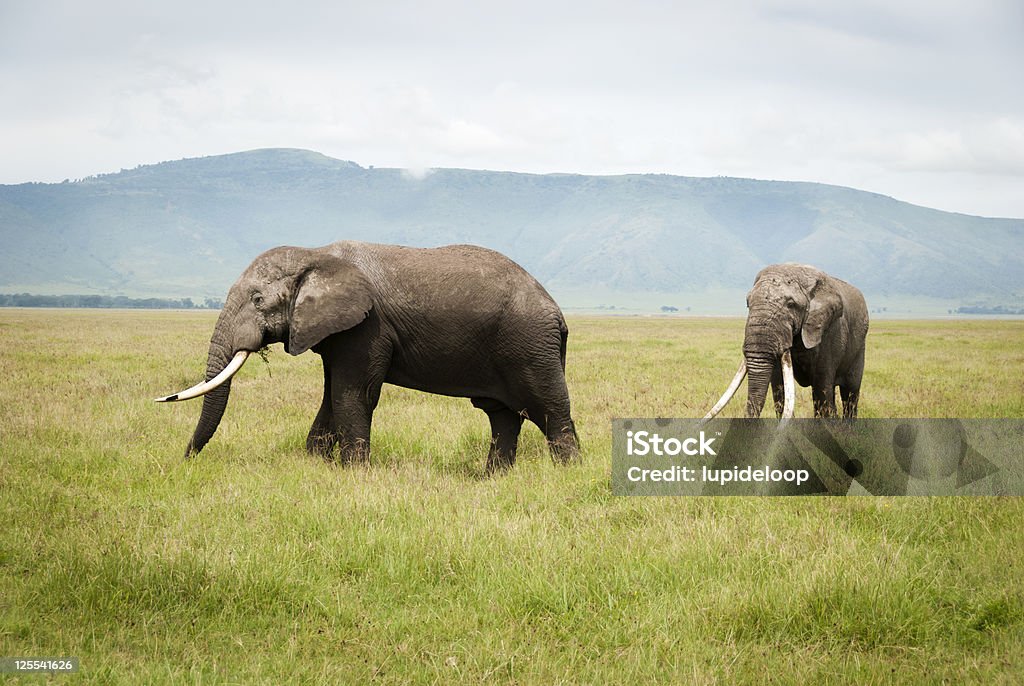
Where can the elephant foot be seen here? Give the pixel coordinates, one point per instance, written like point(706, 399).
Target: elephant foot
point(499, 461)
point(565, 445)
point(354, 451)
point(321, 445)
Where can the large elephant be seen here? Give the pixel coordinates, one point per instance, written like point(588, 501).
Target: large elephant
point(458, 320)
point(805, 325)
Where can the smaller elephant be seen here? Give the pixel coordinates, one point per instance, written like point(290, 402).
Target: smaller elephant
point(459, 320)
point(802, 325)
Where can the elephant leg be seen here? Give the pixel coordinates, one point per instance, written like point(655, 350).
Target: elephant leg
point(563, 441)
point(322, 439)
point(353, 400)
point(554, 420)
point(850, 397)
point(849, 390)
point(505, 426)
point(352, 417)
point(824, 396)
point(356, 364)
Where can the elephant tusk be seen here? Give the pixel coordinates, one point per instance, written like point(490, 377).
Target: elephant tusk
point(203, 388)
point(729, 392)
point(788, 387)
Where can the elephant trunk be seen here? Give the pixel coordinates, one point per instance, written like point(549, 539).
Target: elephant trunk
point(766, 341)
point(214, 402)
point(223, 360)
point(759, 375)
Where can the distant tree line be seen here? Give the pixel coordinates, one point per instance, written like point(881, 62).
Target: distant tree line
point(105, 301)
point(982, 309)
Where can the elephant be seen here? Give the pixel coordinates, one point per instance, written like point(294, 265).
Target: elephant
point(802, 325)
point(458, 320)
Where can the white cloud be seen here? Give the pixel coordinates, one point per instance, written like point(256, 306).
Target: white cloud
point(417, 173)
point(913, 99)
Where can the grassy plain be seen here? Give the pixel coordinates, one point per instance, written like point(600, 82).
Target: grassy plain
point(256, 563)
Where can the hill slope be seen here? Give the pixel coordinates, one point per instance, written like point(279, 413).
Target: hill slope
point(188, 228)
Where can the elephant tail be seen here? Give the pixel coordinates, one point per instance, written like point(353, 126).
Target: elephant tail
point(564, 331)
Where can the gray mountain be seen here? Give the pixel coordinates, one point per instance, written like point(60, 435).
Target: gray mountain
point(187, 228)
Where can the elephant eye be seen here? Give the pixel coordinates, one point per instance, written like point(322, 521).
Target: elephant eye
point(257, 300)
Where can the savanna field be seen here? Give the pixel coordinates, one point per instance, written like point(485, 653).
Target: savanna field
point(257, 563)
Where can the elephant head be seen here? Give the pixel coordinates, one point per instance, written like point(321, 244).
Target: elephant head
point(294, 296)
point(790, 305)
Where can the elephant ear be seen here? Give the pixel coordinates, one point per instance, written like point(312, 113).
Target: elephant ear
point(826, 306)
point(331, 296)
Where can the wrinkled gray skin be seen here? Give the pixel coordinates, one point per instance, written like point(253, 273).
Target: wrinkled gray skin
point(822, 320)
point(458, 320)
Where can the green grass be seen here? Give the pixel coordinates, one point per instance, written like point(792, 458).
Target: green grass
point(256, 563)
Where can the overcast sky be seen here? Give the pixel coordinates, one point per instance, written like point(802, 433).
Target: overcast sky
point(921, 99)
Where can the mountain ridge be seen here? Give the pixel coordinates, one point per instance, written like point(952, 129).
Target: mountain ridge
point(188, 227)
